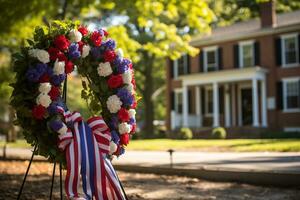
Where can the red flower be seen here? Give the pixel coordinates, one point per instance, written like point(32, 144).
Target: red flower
point(134, 105)
point(123, 115)
point(130, 65)
point(61, 42)
point(133, 127)
point(38, 111)
point(69, 67)
point(80, 44)
point(83, 30)
point(54, 93)
point(44, 78)
point(56, 54)
point(124, 139)
point(96, 38)
point(115, 81)
point(109, 56)
point(105, 33)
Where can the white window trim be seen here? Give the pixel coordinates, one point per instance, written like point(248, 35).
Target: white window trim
point(177, 91)
point(283, 63)
point(205, 50)
point(206, 113)
point(284, 95)
point(185, 65)
point(241, 44)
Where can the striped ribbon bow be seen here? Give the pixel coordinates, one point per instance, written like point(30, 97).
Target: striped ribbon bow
point(86, 147)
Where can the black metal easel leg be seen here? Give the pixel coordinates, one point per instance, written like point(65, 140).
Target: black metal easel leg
point(25, 176)
point(60, 181)
point(121, 186)
point(52, 183)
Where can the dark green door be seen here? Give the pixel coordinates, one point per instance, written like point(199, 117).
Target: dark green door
point(246, 106)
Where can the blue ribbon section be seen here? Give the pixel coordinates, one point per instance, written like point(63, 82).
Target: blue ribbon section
point(91, 154)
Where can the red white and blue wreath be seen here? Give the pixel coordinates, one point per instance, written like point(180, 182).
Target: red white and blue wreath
point(60, 134)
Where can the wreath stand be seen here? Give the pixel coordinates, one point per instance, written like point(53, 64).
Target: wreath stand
point(54, 165)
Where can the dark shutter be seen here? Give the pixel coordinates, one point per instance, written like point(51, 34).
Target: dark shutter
point(190, 101)
point(299, 94)
point(278, 51)
point(203, 100)
point(279, 95)
point(201, 61)
point(220, 58)
point(299, 47)
point(221, 99)
point(188, 64)
point(171, 65)
point(256, 53)
point(172, 101)
point(236, 56)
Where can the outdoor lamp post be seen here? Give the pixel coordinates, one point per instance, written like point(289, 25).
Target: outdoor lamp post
point(171, 157)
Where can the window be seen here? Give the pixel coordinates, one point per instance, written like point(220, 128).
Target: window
point(289, 52)
point(180, 66)
point(291, 94)
point(210, 59)
point(208, 101)
point(246, 54)
point(178, 102)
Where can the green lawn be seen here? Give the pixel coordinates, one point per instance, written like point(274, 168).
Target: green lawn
point(239, 145)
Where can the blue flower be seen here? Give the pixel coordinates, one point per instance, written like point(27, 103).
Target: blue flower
point(125, 97)
point(41, 68)
point(122, 151)
point(115, 137)
point(58, 79)
point(55, 125)
point(113, 122)
point(117, 61)
point(74, 52)
point(32, 75)
point(109, 44)
point(101, 32)
point(49, 71)
point(96, 52)
point(131, 121)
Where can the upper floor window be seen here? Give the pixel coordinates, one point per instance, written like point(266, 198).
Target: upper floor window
point(291, 94)
point(289, 50)
point(181, 66)
point(211, 62)
point(246, 52)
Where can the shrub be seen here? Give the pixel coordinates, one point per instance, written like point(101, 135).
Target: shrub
point(185, 133)
point(219, 133)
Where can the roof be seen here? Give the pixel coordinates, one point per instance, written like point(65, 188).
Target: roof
point(247, 27)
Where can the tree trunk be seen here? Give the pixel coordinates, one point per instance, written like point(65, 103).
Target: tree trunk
point(147, 93)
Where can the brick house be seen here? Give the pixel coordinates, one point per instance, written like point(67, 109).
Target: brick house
point(246, 77)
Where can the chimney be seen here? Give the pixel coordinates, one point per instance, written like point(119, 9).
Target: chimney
point(268, 14)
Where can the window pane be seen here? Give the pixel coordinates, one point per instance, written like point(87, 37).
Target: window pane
point(247, 51)
point(211, 61)
point(290, 50)
point(292, 94)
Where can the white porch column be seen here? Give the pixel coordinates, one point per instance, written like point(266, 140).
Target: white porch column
point(255, 103)
point(264, 116)
point(198, 105)
point(185, 106)
point(216, 122)
point(227, 106)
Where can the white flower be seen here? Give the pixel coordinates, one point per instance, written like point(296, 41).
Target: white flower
point(124, 128)
point(130, 88)
point(75, 36)
point(120, 53)
point(59, 67)
point(112, 147)
point(41, 54)
point(44, 88)
point(127, 77)
point(113, 103)
point(44, 99)
point(131, 113)
point(85, 50)
point(104, 69)
point(63, 129)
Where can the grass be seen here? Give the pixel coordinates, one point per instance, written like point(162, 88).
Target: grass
point(237, 145)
